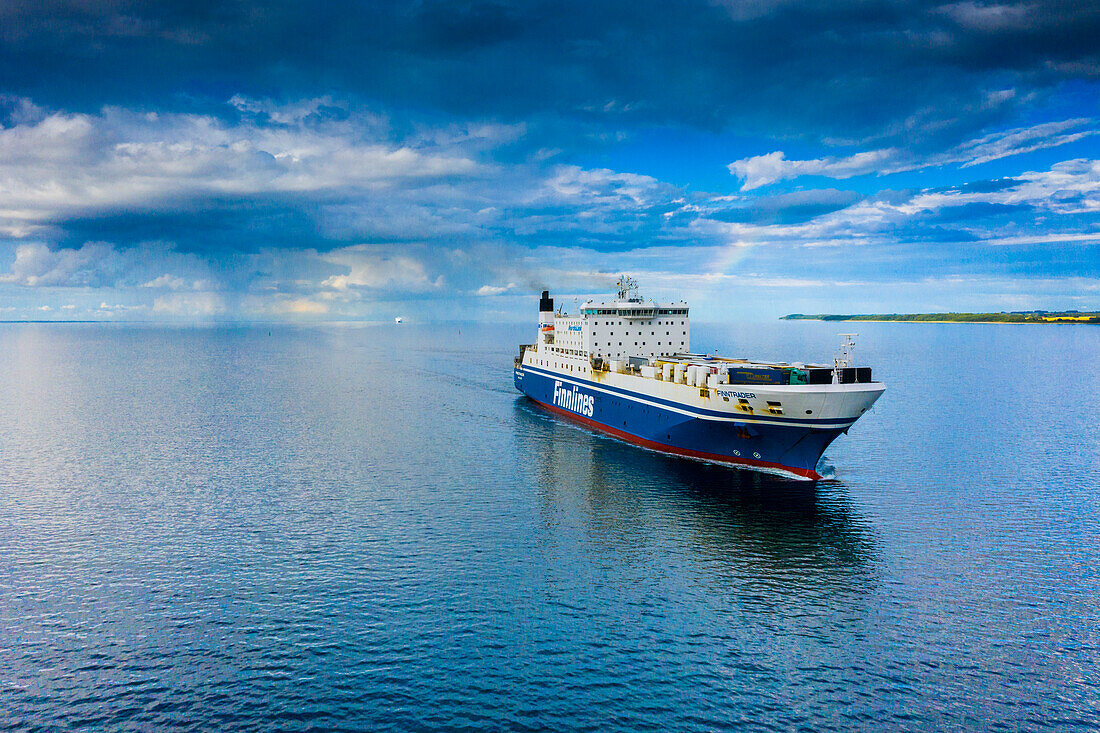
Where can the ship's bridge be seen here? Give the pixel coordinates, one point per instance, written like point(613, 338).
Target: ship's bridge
point(624, 328)
point(630, 311)
point(618, 329)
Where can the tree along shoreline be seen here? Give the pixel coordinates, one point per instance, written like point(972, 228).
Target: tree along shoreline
point(1087, 317)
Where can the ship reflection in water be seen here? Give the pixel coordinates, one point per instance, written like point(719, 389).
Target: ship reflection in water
point(755, 529)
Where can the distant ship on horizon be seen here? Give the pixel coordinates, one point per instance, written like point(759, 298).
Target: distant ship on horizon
point(625, 368)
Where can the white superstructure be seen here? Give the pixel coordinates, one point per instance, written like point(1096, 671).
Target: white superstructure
point(619, 329)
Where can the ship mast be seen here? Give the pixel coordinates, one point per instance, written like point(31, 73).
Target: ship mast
point(628, 289)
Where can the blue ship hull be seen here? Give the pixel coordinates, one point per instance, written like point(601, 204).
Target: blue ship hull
point(640, 419)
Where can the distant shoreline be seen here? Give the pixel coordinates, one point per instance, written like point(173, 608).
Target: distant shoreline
point(1019, 317)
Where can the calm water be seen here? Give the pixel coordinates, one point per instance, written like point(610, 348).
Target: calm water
point(367, 528)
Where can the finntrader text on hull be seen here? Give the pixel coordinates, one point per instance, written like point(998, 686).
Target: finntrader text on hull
point(625, 368)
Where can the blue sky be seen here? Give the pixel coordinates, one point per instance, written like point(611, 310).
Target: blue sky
point(193, 161)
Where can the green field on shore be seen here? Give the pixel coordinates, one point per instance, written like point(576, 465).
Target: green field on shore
point(1013, 317)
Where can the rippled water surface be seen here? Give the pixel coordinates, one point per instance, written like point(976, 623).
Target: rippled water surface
point(366, 527)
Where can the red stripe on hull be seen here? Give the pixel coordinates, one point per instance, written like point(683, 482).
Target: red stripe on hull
point(805, 473)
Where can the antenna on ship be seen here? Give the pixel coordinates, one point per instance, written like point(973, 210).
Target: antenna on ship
point(843, 358)
point(847, 345)
point(628, 288)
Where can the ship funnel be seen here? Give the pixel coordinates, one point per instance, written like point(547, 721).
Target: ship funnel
point(546, 311)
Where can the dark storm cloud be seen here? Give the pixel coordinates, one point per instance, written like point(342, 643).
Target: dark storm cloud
point(843, 69)
point(1056, 35)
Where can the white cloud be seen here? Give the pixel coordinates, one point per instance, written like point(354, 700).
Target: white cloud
point(602, 185)
point(1019, 141)
point(762, 170)
point(352, 177)
point(111, 310)
point(65, 162)
point(37, 265)
point(495, 289)
point(293, 113)
point(376, 268)
point(104, 265)
point(1069, 187)
point(168, 282)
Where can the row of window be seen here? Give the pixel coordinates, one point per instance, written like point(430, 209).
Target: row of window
point(635, 311)
point(543, 362)
point(636, 343)
point(648, 323)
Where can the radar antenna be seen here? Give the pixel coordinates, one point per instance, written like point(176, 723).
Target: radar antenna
point(628, 289)
point(843, 358)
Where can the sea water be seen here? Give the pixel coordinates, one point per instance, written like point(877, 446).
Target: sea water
point(366, 527)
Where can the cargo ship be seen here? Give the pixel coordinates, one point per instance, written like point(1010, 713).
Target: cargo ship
point(624, 367)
